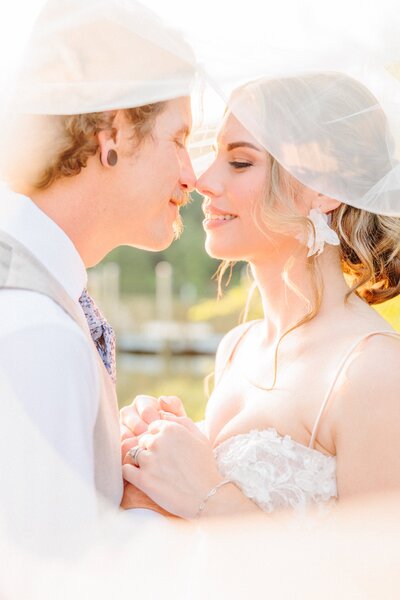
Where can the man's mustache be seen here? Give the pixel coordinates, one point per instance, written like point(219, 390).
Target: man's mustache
point(181, 197)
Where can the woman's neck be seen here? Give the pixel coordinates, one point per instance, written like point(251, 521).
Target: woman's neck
point(283, 306)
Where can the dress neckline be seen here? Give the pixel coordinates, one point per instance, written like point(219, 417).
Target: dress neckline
point(278, 436)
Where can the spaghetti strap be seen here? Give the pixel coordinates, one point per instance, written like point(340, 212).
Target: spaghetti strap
point(338, 373)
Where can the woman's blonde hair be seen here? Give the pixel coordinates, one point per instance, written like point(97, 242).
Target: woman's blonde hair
point(44, 148)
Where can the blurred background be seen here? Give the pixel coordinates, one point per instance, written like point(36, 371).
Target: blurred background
point(164, 308)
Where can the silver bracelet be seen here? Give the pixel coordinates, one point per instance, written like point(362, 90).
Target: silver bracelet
point(211, 493)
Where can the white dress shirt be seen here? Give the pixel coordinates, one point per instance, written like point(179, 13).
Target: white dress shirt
point(48, 364)
point(50, 371)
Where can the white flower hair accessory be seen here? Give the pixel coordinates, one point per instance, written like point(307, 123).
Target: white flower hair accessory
point(322, 235)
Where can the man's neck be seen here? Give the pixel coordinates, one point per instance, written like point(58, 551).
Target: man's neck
point(69, 202)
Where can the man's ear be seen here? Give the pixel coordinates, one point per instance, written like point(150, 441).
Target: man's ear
point(109, 138)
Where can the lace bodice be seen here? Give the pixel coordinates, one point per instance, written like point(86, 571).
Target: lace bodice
point(276, 472)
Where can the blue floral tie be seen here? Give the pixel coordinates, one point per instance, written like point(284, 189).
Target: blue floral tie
point(102, 333)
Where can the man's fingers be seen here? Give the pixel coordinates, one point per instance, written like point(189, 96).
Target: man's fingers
point(172, 404)
point(128, 444)
point(132, 419)
point(147, 408)
point(126, 433)
point(132, 475)
point(128, 417)
point(132, 424)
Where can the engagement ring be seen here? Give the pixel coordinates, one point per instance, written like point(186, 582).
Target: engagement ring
point(134, 455)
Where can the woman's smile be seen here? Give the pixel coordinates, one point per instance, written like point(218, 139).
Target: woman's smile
point(216, 218)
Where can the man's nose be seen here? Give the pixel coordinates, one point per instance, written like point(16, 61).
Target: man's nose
point(188, 177)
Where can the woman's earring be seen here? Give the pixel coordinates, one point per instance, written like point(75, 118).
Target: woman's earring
point(319, 234)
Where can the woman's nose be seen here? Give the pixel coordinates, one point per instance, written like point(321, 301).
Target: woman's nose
point(209, 184)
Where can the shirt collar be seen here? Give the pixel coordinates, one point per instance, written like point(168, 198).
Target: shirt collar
point(23, 220)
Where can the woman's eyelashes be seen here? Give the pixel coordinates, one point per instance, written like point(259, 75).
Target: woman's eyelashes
point(239, 164)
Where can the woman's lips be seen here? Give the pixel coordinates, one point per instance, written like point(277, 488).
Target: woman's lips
point(213, 220)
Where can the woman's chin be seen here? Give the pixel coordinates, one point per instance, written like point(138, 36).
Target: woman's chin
point(222, 251)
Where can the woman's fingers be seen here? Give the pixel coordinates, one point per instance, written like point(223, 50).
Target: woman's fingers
point(185, 421)
point(156, 427)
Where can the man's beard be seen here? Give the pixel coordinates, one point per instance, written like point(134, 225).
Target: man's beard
point(183, 198)
point(178, 227)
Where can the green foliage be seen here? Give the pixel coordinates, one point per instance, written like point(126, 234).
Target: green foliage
point(228, 311)
point(232, 304)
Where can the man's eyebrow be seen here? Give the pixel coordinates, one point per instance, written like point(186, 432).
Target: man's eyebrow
point(184, 130)
point(234, 145)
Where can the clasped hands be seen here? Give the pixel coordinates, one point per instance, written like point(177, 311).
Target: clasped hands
point(177, 464)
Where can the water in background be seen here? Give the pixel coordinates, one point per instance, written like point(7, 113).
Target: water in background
point(157, 375)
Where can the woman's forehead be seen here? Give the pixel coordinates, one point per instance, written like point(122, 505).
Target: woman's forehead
point(232, 130)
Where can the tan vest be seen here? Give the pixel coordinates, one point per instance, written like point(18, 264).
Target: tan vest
point(19, 269)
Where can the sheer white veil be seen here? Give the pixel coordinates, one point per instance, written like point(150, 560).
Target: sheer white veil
point(85, 57)
point(330, 131)
point(318, 85)
point(100, 55)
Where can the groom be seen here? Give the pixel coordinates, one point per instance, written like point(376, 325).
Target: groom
point(95, 158)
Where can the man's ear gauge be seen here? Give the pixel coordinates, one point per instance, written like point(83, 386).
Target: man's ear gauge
point(112, 158)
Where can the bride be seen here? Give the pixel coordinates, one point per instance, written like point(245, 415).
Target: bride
point(305, 407)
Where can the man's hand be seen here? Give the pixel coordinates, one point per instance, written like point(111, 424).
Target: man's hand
point(134, 498)
point(135, 418)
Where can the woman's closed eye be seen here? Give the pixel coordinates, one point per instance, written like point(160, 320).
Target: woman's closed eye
point(239, 164)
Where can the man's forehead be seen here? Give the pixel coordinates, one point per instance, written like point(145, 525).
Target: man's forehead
point(182, 111)
point(176, 119)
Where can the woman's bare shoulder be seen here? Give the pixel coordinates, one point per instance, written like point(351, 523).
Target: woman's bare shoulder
point(371, 376)
point(366, 409)
point(229, 341)
point(379, 352)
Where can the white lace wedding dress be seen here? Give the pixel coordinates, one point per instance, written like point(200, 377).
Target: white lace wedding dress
point(276, 472)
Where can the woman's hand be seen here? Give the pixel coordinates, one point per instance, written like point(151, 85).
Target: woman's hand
point(177, 465)
point(135, 418)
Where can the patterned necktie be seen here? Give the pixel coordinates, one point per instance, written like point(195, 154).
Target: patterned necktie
point(102, 333)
